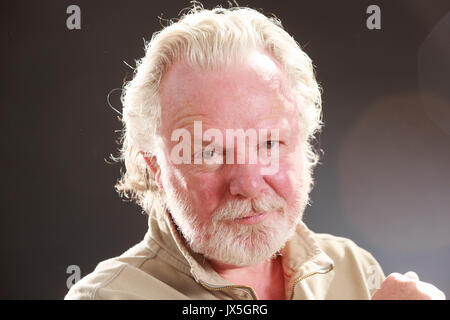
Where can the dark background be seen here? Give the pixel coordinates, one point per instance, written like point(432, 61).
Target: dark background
point(384, 181)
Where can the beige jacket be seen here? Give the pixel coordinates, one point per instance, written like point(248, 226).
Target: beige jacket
point(316, 266)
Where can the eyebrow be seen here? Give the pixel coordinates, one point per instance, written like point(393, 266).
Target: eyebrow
point(186, 121)
point(189, 118)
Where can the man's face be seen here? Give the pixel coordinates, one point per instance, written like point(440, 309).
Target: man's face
point(231, 212)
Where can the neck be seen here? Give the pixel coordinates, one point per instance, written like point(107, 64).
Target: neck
point(266, 278)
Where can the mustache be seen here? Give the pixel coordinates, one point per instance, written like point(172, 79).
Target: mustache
point(235, 209)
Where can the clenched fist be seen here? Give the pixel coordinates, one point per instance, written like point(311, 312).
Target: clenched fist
point(407, 287)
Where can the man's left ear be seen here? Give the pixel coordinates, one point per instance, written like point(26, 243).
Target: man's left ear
point(152, 163)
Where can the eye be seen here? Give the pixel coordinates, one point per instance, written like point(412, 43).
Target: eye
point(209, 154)
point(271, 144)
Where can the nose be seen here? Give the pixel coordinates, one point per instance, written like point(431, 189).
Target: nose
point(246, 181)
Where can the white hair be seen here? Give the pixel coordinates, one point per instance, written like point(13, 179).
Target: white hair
point(208, 39)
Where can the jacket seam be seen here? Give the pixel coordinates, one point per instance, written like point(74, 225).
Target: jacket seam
point(107, 282)
point(118, 272)
point(161, 247)
point(170, 258)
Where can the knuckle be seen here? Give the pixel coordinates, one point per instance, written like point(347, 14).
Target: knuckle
point(411, 285)
point(394, 276)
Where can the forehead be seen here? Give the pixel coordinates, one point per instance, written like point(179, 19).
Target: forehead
point(249, 94)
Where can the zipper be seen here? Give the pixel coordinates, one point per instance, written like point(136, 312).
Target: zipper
point(307, 276)
point(253, 293)
point(220, 288)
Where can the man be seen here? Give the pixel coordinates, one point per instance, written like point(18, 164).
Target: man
point(218, 122)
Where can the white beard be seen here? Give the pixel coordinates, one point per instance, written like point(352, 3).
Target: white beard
point(228, 242)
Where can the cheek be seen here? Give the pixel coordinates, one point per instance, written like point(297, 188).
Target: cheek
point(207, 191)
point(203, 190)
point(286, 181)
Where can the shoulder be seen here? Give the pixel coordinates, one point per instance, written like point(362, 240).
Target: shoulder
point(122, 277)
point(352, 261)
point(343, 248)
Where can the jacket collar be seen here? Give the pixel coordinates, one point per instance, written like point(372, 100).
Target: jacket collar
point(301, 256)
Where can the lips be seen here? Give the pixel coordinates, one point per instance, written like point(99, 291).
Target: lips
point(254, 214)
point(252, 218)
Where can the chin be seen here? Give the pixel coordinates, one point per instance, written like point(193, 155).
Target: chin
point(246, 245)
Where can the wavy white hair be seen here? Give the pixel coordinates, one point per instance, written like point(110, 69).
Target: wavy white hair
point(208, 39)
